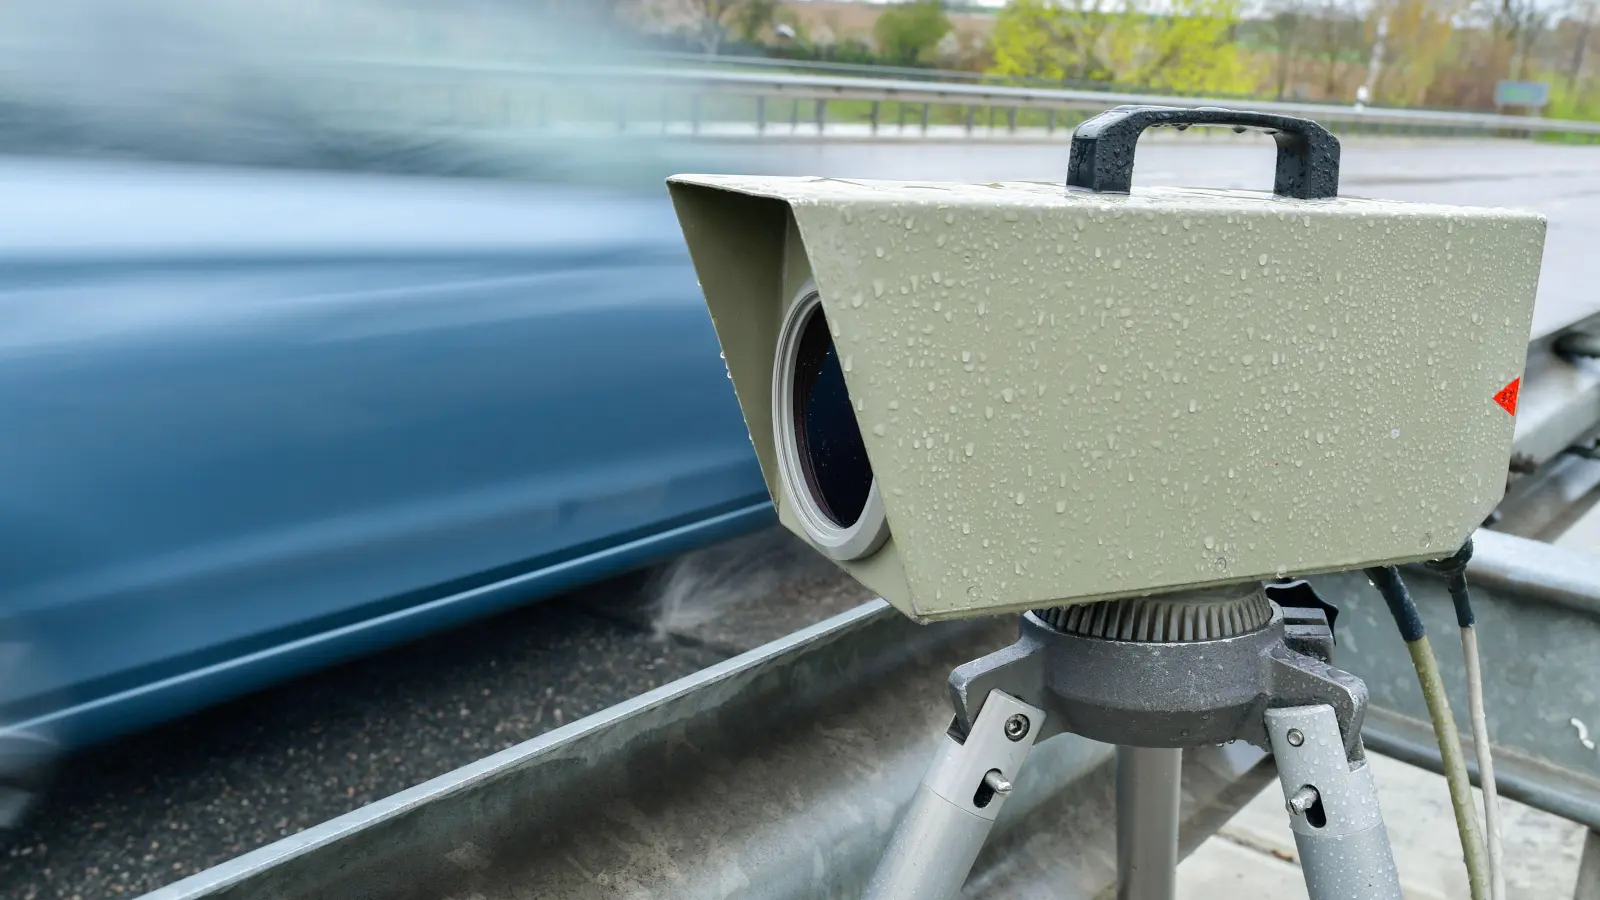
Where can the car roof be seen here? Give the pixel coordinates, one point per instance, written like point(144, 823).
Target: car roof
point(75, 209)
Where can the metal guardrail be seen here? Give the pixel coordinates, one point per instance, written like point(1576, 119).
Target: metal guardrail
point(637, 84)
point(779, 774)
point(770, 63)
point(1538, 609)
point(776, 775)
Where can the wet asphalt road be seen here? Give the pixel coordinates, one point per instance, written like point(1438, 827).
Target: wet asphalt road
point(142, 812)
point(139, 813)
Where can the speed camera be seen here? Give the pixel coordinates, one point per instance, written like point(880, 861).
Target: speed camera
point(987, 397)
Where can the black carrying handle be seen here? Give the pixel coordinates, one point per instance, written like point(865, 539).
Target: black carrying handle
point(1102, 147)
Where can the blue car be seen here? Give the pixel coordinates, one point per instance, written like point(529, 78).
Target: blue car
point(258, 422)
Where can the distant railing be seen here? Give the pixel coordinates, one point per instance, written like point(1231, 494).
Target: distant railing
point(699, 100)
point(865, 70)
point(826, 67)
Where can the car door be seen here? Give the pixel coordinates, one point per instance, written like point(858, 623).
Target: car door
point(218, 455)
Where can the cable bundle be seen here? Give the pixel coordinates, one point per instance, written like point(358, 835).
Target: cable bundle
point(1486, 878)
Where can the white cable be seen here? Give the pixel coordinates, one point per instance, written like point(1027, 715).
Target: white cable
point(1480, 743)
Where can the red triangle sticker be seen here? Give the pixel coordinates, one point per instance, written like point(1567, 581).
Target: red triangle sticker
point(1507, 398)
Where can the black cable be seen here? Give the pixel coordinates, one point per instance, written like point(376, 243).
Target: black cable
point(1454, 569)
point(1388, 582)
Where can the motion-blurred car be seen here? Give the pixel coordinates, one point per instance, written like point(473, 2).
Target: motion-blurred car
point(257, 422)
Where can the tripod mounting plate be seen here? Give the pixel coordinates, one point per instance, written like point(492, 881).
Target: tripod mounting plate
point(1177, 694)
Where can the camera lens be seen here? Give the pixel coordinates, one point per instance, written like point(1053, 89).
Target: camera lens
point(832, 454)
point(822, 462)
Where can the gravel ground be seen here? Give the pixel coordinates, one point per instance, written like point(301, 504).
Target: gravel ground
point(141, 812)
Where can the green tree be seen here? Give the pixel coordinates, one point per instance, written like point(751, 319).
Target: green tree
point(1056, 40)
point(905, 32)
point(1190, 48)
point(1179, 45)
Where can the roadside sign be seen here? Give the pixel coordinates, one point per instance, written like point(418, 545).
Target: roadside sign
point(1534, 94)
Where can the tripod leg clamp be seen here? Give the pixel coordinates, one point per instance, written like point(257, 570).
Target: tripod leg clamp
point(1333, 807)
point(955, 806)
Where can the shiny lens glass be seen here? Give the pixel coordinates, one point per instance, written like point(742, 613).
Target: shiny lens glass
point(832, 454)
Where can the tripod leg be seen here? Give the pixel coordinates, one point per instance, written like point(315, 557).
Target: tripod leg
point(937, 842)
point(1148, 795)
point(1333, 808)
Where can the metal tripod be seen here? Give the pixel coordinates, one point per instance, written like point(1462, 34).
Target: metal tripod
point(1155, 675)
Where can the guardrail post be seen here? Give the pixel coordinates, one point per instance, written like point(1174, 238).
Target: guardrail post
point(1011, 120)
point(1050, 122)
point(924, 118)
point(822, 116)
point(794, 118)
point(761, 114)
point(902, 116)
point(971, 111)
point(874, 117)
point(991, 121)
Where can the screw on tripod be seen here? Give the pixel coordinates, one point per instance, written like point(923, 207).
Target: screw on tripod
point(1017, 728)
point(1295, 737)
point(956, 804)
point(1303, 800)
point(996, 782)
point(1307, 803)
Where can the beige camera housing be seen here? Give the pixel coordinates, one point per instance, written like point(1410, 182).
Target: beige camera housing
point(1068, 396)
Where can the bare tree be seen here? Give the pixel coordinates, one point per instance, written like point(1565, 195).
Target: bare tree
point(1336, 35)
point(710, 18)
point(1287, 27)
point(1584, 15)
point(754, 16)
point(1519, 24)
